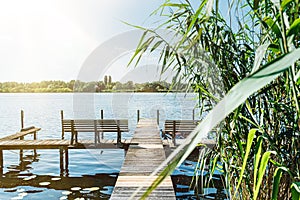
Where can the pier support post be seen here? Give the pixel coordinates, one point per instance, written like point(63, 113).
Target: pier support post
point(138, 115)
point(21, 155)
point(64, 161)
point(34, 137)
point(193, 114)
point(102, 134)
point(157, 113)
point(61, 161)
point(22, 119)
point(1, 162)
point(102, 114)
point(62, 126)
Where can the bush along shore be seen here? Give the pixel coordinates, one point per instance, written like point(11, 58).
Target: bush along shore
point(94, 86)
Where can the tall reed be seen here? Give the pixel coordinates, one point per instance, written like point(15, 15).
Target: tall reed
point(245, 69)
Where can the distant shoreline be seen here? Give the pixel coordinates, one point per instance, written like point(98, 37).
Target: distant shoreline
point(106, 86)
point(173, 92)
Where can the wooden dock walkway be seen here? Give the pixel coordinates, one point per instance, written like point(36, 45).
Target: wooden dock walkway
point(142, 159)
point(62, 145)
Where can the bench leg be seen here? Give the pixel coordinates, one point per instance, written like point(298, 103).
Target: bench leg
point(96, 137)
point(72, 138)
point(119, 137)
point(76, 137)
point(99, 139)
point(174, 138)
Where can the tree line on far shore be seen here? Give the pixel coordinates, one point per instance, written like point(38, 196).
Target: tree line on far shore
point(95, 86)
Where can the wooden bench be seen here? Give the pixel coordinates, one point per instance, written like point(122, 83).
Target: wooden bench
point(97, 126)
point(179, 126)
point(20, 135)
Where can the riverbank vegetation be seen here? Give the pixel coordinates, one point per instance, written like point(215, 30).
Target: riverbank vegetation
point(95, 86)
point(246, 69)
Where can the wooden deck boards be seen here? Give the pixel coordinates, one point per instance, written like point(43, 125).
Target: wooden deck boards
point(58, 143)
point(142, 159)
point(33, 144)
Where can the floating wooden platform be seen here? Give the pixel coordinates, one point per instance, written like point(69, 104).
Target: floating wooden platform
point(142, 159)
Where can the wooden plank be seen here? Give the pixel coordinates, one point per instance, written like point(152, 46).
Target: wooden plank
point(142, 159)
point(33, 144)
point(18, 135)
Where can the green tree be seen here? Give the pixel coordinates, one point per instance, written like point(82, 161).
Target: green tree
point(105, 80)
point(109, 80)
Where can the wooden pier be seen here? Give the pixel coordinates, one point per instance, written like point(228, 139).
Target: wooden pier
point(142, 159)
point(144, 152)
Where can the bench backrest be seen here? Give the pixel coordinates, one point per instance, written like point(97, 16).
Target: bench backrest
point(95, 125)
point(180, 125)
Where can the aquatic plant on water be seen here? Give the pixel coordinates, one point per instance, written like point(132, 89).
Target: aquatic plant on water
point(253, 96)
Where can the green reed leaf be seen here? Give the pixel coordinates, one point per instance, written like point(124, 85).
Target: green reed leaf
point(262, 168)
point(251, 135)
point(234, 98)
point(295, 188)
point(295, 27)
point(276, 182)
point(284, 3)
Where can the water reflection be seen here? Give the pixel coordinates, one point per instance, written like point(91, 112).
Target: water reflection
point(18, 183)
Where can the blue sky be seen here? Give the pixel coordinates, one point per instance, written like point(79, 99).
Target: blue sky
point(57, 39)
point(51, 39)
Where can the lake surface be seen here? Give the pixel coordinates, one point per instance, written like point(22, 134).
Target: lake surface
point(92, 173)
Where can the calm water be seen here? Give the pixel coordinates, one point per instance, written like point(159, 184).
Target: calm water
point(92, 173)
